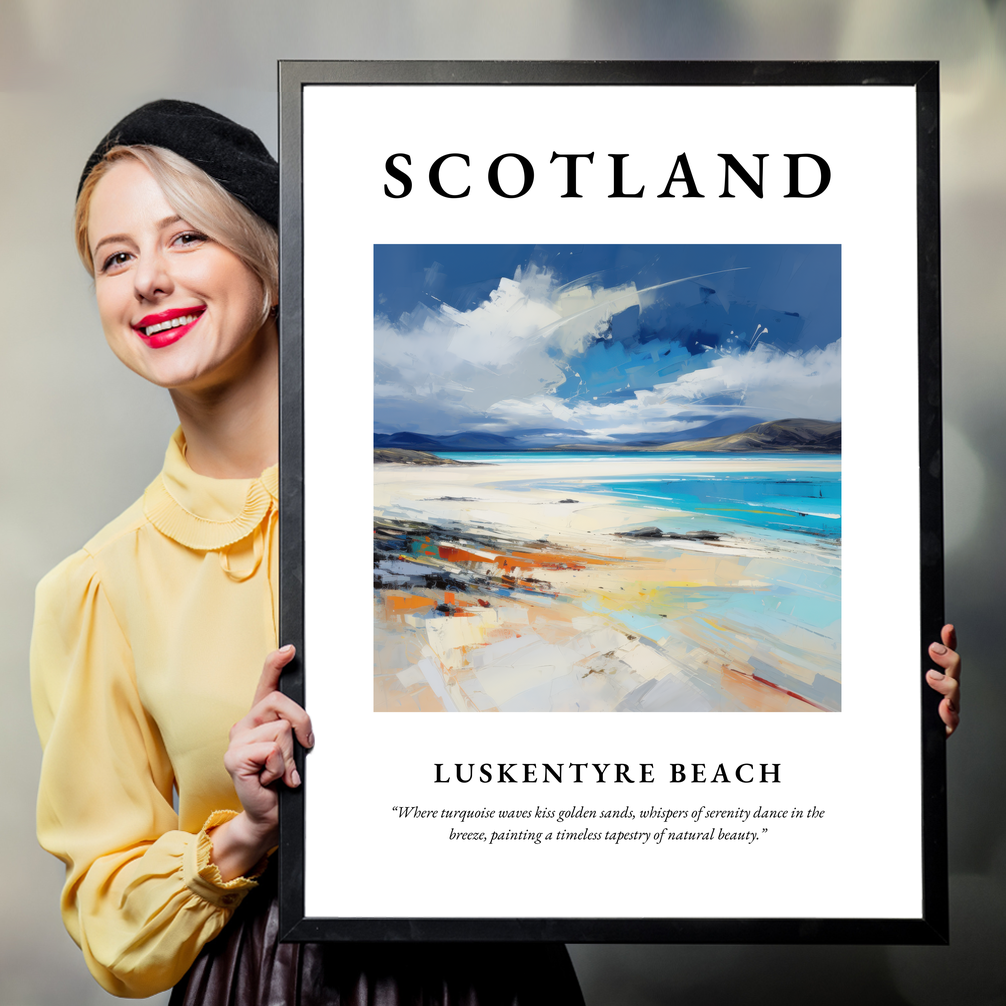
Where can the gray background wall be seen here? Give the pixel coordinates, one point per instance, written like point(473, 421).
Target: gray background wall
point(82, 436)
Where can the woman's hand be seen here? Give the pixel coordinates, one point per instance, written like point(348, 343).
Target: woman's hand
point(260, 753)
point(947, 682)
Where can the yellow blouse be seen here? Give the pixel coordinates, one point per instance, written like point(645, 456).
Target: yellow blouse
point(147, 647)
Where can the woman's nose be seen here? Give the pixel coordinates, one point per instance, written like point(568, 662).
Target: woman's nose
point(152, 277)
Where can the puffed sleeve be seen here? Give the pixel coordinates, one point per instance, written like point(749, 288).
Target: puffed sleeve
point(141, 898)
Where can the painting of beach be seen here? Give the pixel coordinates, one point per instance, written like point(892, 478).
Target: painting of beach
point(607, 478)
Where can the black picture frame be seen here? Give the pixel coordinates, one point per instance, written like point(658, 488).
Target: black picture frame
point(932, 925)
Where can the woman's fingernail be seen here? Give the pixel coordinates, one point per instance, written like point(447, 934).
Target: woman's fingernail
point(938, 648)
point(286, 649)
point(936, 675)
point(310, 740)
point(295, 777)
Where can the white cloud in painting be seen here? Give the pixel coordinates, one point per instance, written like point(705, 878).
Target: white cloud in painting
point(497, 366)
point(510, 346)
point(808, 384)
point(763, 382)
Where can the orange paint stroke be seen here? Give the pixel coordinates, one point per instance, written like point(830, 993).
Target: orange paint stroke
point(761, 696)
point(546, 560)
point(794, 695)
point(522, 560)
point(400, 603)
point(454, 554)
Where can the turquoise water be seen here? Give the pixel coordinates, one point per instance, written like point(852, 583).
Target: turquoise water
point(790, 504)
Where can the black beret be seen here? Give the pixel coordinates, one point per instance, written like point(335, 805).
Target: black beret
point(231, 154)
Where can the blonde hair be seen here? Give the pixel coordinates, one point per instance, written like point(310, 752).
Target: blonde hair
point(199, 200)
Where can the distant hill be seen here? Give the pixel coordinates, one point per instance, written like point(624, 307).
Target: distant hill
point(456, 442)
point(550, 439)
point(395, 455)
point(717, 428)
point(779, 435)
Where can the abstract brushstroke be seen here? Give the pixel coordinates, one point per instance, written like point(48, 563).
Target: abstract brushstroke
point(544, 538)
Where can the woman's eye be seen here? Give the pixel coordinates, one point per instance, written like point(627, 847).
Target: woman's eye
point(190, 238)
point(114, 261)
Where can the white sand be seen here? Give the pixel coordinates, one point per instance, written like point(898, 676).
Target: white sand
point(488, 495)
point(641, 625)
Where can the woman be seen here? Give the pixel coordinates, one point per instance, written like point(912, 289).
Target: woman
point(148, 643)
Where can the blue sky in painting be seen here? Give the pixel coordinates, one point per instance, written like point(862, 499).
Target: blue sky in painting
point(604, 343)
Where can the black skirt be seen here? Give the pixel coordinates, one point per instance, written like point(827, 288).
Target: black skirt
point(246, 965)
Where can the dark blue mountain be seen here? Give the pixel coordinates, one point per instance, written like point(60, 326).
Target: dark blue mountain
point(717, 428)
point(545, 439)
point(455, 442)
point(409, 441)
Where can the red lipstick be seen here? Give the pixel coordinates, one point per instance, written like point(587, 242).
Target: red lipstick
point(166, 327)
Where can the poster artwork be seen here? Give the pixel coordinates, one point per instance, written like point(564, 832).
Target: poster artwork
point(607, 478)
point(591, 370)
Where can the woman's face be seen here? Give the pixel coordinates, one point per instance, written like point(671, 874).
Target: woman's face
point(177, 308)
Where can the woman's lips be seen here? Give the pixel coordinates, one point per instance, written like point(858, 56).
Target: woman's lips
point(164, 328)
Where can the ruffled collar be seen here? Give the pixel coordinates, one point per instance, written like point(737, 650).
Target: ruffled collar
point(203, 513)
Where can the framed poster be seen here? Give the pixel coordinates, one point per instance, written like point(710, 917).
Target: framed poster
point(610, 421)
